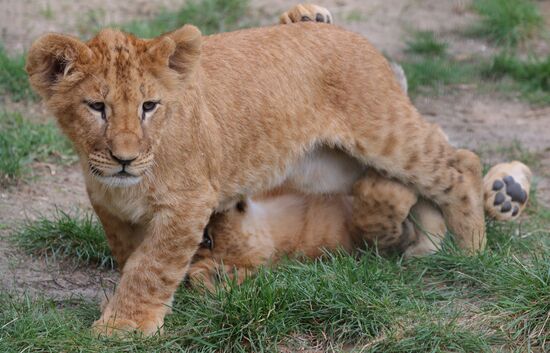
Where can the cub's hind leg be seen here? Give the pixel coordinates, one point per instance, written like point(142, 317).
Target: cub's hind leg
point(306, 12)
point(404, 146)
point(390, 216)
point(380, 208)
point(427, 229)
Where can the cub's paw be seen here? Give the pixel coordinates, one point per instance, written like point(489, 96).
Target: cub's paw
point(379, 209)
point(114, 327)
point(506, 190)
point(306, 12)
point(111, 325)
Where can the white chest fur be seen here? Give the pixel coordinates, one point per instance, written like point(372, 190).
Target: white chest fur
point(127, 203)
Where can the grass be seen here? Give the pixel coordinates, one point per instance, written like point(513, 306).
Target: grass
point(211, 16)
point(508, 22)
point(431, 74)
point(66, 237)
point(426, 43)
point(335, 302)
point(23, 142)
point(13, 78)
point(530, 77)
point(429, 68)
point(448, 302)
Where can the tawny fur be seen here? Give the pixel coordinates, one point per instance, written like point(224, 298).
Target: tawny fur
point(381, 212)
point(238, 113)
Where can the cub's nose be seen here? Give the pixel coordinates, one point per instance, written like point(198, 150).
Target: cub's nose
point(124, 147)
point(124, 161)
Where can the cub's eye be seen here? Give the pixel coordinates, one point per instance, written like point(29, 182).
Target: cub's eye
point(206, 242)
point(149, 106)
point(97, 106)
point(241, 206)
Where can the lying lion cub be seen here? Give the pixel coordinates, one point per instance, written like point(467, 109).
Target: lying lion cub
point(170, 129)
point(383, 213)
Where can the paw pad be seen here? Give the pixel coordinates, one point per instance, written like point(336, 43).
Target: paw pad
point(319, 17)
point(507, 190)
point(509, 197)
point(514, 190)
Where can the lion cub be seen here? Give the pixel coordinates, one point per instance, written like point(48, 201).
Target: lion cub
point(382, 213)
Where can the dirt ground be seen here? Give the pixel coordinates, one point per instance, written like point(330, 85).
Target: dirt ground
point(471, 119)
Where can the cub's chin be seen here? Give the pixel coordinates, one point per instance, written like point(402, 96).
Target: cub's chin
point(119, 180)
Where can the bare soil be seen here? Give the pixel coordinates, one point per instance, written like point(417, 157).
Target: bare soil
point(471, 119)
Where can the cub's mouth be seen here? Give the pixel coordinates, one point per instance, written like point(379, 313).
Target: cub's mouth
point(125, 174)
point(116, 172)
point(121, 178)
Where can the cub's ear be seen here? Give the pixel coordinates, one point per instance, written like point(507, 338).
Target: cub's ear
point(187, 51)
point(55, 63)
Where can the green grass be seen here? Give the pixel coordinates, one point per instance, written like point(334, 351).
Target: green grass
point(13, 78)
point(22, 142)
point(428, 74)
point(429, 68)
point(530, 77)
point(211, 16)
point(66, 237)
point(508, 22)
point(448, 302)
point(426, 43)
point(338, 301)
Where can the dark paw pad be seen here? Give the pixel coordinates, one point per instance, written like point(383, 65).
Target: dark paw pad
point(499, 198)
point(515, 191)
point(497, 185)
point(509, 196)
point(305, 19)
point(320, 18)
point(507, 206)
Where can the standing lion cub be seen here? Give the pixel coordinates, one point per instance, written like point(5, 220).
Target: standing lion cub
point(171, 129)
point(380, 211)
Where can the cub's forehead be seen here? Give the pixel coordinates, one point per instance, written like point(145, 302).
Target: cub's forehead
point(118, 51)
point(119, 60)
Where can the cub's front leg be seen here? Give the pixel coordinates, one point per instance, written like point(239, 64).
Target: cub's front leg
point(154, 270)
point(123, 237)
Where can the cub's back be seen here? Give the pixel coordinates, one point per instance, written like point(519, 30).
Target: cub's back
point(293, 56)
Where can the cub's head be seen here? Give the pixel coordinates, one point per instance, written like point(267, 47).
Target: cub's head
point(225, 233)
point(113, 94)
